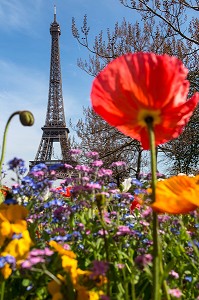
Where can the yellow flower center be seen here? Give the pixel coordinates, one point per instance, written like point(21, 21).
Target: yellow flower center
point(145, 114)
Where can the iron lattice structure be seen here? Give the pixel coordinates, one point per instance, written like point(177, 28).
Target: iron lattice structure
point(55, 129)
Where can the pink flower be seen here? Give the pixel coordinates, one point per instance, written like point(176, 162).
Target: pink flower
point(175, 293)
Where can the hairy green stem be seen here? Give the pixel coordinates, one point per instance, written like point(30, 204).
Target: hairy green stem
point(157, 256)
point(4, 142)
point(156, 244)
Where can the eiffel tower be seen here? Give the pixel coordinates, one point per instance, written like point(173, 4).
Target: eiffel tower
point(55, 129)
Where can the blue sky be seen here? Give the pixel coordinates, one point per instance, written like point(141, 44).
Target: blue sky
point(25, 62)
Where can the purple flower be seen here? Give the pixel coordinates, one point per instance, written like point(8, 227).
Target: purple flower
point(75, 151)
point(118, 164)
point(97, 163)
point(105, 172)
point(38, 252)
point(36, 256)
point(85, 178)
point(99, 268)
point(144, 223)
point(175, 293)
point(104, 297)
point(146, 212)
point(163, 218)
point(92, 154)
point(93, 186)
point(174, 274)
point(102, 232)
point(7, 259)
point(123, 230)
point(143, 260)
point(120, 266)
point(66, 166)
point(16, 163)
point(82, 168)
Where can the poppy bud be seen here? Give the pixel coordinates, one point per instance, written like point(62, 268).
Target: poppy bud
point(26, 118)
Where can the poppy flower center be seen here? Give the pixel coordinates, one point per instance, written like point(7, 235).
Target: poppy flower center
point(146, 116)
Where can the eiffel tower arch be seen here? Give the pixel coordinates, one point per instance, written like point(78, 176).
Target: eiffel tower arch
point(55, 129)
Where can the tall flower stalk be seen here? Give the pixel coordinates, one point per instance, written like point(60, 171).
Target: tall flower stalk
point(157, 256)
point(26, 119)
point(156, 242)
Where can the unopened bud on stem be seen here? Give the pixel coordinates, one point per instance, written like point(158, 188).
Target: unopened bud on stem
point(26, 118)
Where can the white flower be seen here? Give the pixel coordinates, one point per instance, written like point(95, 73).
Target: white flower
point(126, 184)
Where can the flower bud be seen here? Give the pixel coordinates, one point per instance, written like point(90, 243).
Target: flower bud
point(26, 118)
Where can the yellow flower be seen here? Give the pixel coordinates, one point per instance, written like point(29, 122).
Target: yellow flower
point(19, 248)
point(54, 289)
point(70, 265)
point(84, 294)
point(12, 220)
point(7, 228)
point(6, 271)
point(177, 195)
point(61, 250)
point(13, 212)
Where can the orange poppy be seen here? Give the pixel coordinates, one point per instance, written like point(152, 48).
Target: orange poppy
point(177, 195)
point(134, 87)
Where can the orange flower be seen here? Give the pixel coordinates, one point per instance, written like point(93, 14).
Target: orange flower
point(61, 250)
point(138, 86)
point(177, 195)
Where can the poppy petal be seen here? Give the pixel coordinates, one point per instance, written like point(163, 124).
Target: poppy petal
point(176, 195)
point(138, 85)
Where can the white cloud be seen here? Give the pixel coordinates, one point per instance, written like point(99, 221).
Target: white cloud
point(18, 15)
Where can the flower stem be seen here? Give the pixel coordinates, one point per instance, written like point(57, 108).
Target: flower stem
point(156, 242)
point(2, 290)
point(4, 142)
point(106, 247)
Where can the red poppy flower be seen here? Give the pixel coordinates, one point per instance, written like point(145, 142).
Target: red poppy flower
point(65, 193)
point(134, 204)
point(136, 86)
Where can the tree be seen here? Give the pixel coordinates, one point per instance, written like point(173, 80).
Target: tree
point(167, 27)
point(96, 135)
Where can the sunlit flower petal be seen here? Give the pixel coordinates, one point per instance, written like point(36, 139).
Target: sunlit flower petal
point(136, 86)
point(19, 248)
point(177, 195)
point(6, 271)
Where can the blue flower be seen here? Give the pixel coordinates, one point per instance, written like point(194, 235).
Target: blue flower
point(16, 163)
point(56, 166)
point(17, 236)
point(136, 182)
point(188, 278)
point(10, 201)
point(39, 167)
point(7, 259)
point(56, 202)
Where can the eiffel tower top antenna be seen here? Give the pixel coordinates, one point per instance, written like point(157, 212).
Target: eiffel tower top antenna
point(55, 13)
